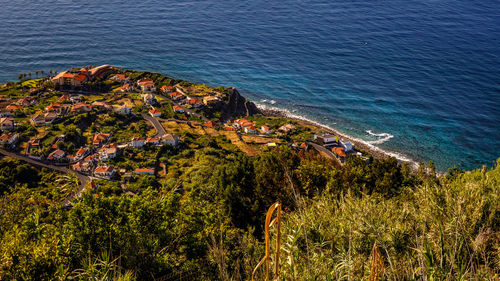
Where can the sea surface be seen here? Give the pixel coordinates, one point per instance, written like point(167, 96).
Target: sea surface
point(420, 79)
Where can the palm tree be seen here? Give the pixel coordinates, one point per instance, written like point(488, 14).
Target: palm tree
point(42, 71)
point(29, 74)
point(24, 75)
point(50, 71)
point(20, 76)
point(36, 72)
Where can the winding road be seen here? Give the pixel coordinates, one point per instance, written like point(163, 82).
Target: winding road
point(62, 169)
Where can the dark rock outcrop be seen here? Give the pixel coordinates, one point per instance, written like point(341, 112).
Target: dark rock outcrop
point(237, 105)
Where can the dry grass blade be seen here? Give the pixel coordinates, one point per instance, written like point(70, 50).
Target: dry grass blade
point(377, 268)
point(276, 206)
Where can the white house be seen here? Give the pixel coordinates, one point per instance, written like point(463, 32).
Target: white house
point(326, 139)
point(123, 109)
point(170, 139)
point(138, 142)
point(104, 172)
point(348, 146)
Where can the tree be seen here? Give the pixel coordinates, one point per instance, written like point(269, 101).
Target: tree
point(29, 74)
point(20, 76)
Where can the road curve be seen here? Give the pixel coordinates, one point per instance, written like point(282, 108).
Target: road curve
point(83, 179)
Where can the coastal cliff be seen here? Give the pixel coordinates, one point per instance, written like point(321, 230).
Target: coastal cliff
point(237, 105)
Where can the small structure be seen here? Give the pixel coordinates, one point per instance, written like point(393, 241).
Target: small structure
point(176, 96)
point(9, 139)
point(250, 129)
point(7, 124)
point(138, 142)
point(146, 85)
point(127, 88)
point(27, 101)
point(123, 109)
point(144, 171)
point(108, 152)
point(211, 100)
point(100, 138)
point(106, 172)
point(340, 153)
point(326, 139)
point(266, 130)
point(149, 99)
point(101, 105)
point(286, 129)
point(349, 147)
point(166, 89)
point(81, 107)
point(211, 124)
point(82, 152)
point(13, 107)
point(178, 109)
point(170, 139)
point(194, 102)
point(120, 77)
point(55, 107)
point(56, 155)
point(155, 112)
point(153, 140)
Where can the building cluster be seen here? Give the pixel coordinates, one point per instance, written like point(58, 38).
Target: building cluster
point(92, 160)
point(75, 77)
point(333, 143)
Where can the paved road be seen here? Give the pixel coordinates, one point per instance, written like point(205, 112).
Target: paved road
point(160, 131)
point(83, 179)
point(324, 151)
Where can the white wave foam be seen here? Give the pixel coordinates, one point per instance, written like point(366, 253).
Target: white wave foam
point(272, 101)
point(384, 137)
point(264, 100)
point(369, 144)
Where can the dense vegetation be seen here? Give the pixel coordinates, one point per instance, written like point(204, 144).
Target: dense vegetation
point(204, 222)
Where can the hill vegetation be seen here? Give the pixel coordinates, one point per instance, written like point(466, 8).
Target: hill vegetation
point(205, 223)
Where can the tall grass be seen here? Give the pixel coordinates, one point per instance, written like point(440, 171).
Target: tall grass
point(445, 229)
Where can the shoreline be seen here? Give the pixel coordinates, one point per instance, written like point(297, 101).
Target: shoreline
point(375, 151)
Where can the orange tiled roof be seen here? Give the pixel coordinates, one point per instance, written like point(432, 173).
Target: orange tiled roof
point(80, 77)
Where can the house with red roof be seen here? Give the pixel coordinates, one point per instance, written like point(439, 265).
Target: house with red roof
point(106, 172)
point(155, 112)
point(120, 77)
point(9, 139)
point(55, 107)
point(250, 129)
point(13, 107)
point(176, 96)
point(266, 130)
point(144, 171)
point(56, 155)
point(211, 124)
point(339, 152)
point(146, 85)
point(153, 140)
point(166, 89)
point(127, 88)
point(100, 138)
point(178, 109)
point(81, 107)
point(194, 102)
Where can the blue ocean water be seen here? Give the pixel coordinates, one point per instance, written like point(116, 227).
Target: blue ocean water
point(417, 78)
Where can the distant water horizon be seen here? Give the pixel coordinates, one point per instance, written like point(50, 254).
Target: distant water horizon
point(418, 79)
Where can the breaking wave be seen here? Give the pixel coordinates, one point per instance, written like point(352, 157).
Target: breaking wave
point(370, 144)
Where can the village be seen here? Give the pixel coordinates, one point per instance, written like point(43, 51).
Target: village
point(59, 121)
